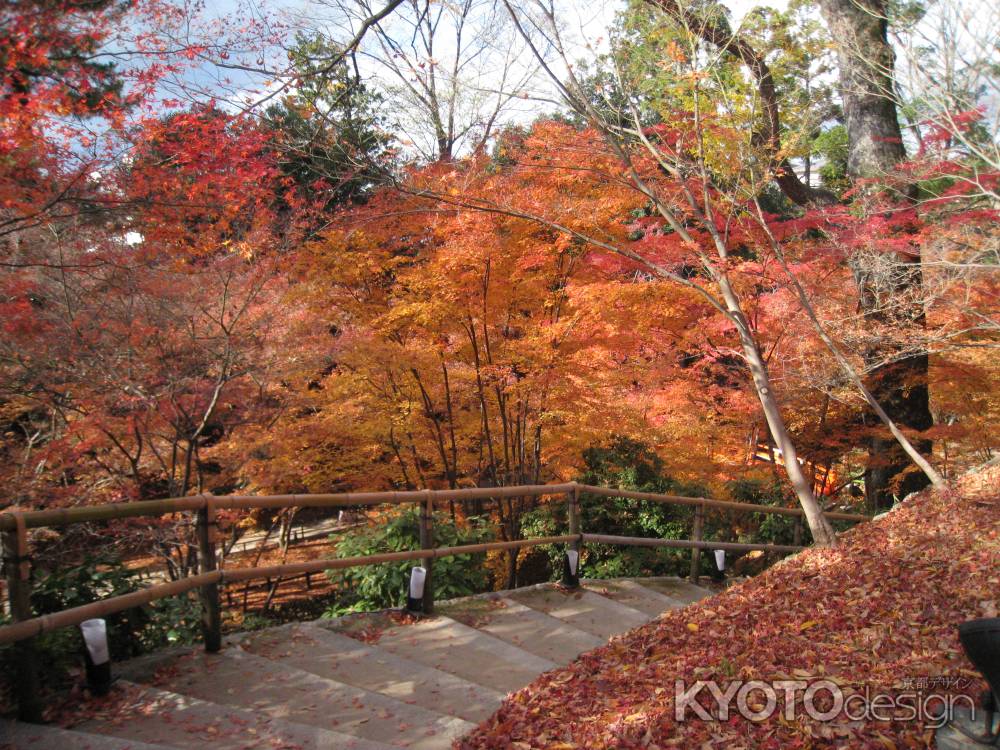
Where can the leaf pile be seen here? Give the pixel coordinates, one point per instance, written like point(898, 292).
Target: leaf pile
point(879, 611)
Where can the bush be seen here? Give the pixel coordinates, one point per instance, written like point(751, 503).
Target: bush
point(628, 464)
point(130, 633)
point(374, 587)
point(632, 465)
point(767, 528)
point(618, 516)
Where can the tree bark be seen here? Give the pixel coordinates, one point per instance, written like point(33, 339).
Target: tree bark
point(865, 58)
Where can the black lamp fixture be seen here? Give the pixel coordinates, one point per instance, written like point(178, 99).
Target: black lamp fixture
point(415, 590)
point(719, 572)
point(981, 641)
point(97, 657)
point(571, 565)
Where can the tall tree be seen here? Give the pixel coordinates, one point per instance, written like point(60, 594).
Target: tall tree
point(865, 62)
point(455, 70)
point(889, 285)
point(331, 131)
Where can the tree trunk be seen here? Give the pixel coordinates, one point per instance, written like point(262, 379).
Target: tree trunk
point(901, 389)
point(875, 146)
point(512, 569)
point(859, 29)
point(822, 532)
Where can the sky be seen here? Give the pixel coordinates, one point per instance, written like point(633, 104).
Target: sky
point(586, 22)
point(585, 30)
point(586, 25)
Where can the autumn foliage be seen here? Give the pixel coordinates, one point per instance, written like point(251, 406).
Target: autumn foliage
point(242, 293)
point(222, 271)
point(440, 336)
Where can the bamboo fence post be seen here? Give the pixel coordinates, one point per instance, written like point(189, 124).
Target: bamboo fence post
point(573, 518)
point(211, 609)
point(797, 538)
point(427, 542)
point(696, 535)
point(18, 569)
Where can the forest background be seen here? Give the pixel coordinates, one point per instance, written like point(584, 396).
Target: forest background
point(346, 247)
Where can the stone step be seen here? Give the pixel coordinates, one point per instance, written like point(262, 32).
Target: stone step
point(241, 679)
point(450, 646)
point(632, 594)
point(677, 588)
point(527, 628)
point(148, 714)
point(583, 609)
point(395, 684)
point(338, 657)
point(17, 736)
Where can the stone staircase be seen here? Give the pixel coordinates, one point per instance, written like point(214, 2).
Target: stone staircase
point(365, 682)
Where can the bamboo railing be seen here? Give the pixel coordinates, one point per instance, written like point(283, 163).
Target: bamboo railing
point(17, 554)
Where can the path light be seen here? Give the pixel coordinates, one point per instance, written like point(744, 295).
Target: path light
point(415, 599)
point(720, 559)
point(96, 655)
point(571, 564)
point(981, 641)
point(720, 564)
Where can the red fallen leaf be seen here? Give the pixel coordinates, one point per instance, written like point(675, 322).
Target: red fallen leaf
point(843, 614)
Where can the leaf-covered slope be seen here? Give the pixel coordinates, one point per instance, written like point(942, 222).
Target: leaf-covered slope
point(879, 611)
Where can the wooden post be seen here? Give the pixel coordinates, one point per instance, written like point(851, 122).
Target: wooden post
point(427, 542)
point(573, 518)
point(797, 538)
point(18, 569)
point(211, 609)
point(696, 534)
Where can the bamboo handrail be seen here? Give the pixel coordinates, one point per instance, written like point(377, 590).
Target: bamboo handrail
point(19, 631)
point(34, 519)
point(14, 525)
point(68, 617)
point(64, 516)
point(641, 541)
point(721, 504)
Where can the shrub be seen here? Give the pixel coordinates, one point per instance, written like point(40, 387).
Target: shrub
point(628, 464)
point(130, 633)
point(766, 528)
point(373, 587)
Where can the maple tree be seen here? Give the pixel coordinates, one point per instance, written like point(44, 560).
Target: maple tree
point(208, 293)
point(76, 78)
point(135, 335)
point(460, 350)
point(50, 80)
